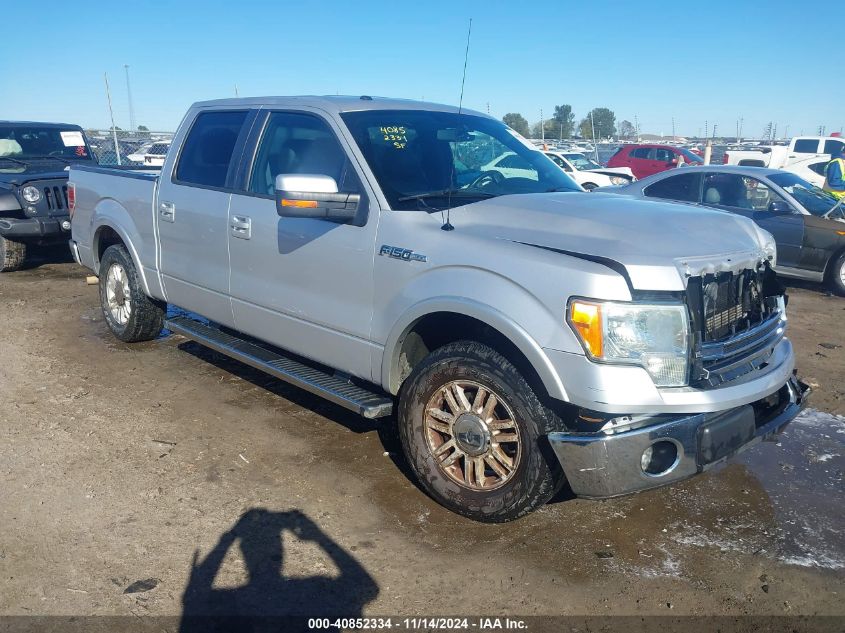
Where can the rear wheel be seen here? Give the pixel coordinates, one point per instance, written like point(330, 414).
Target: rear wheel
point(836, 275)
point(131, 315)
point(12, 255)
point(474, 432)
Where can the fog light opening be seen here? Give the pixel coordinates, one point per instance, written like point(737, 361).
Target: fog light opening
point(66, 225)
point(660, 458)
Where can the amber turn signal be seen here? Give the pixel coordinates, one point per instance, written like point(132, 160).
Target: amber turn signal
point(585, 317)
point(311, 204)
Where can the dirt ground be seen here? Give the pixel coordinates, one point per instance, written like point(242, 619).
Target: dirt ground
point(161, 479)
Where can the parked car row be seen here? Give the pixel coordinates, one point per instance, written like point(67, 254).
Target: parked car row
point(425, 261)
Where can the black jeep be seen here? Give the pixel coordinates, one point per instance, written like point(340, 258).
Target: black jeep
point(34, 161)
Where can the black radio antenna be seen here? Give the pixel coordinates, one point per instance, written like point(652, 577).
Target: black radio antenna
point(448, 225)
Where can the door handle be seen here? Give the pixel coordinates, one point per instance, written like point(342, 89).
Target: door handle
point(167, 211)
point(241, 227)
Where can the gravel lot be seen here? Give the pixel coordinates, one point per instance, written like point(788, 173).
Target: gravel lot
point(160, 478)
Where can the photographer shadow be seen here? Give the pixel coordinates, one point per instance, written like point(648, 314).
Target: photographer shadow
point(270, 601)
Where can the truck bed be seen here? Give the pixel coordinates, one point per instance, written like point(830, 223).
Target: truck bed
point(121, 198)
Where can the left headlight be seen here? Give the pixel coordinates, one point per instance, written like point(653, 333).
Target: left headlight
point(618, 180)
point(656, 337)
point(31, 194)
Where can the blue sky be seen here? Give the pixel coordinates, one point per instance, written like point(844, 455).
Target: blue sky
point(713, 61)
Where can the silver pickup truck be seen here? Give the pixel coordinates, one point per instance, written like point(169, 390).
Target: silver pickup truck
point(525, 334)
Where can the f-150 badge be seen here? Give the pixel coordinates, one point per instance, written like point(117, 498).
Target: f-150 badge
point(405, 254)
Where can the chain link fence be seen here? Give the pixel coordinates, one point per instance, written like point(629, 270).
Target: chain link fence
point(125, 147)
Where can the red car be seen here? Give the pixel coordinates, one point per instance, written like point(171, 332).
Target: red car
point(645, 160)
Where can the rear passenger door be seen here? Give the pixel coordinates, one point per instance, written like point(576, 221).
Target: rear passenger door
point(192, 214)
point(303, 284)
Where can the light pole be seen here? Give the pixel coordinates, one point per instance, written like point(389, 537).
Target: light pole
point(129, 95)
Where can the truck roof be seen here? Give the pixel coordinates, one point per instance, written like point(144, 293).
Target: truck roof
point(336, 104)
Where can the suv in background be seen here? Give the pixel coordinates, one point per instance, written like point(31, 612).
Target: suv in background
point(645, 160)
point(34, 163)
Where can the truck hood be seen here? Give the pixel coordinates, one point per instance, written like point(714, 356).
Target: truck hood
point(14, 174)
point(659, 244)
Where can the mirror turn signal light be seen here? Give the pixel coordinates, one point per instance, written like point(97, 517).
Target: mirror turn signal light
point(310, 204)
point(585, 317)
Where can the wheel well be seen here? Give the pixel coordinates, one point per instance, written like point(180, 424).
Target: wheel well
point(441, 328)
point(828, 268)
point(105, 237)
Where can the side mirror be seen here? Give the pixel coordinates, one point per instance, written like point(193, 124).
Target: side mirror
point(779, 207)
point(313, 196)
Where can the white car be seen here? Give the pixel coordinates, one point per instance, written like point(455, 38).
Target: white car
point(589, 174)
point(511, 165)
point(810, 169)
point(138, 155)
point(155, 155)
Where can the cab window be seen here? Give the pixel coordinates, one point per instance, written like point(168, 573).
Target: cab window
point(294, 143)
point(208, 148)
point(833, 147)
point(806, 146)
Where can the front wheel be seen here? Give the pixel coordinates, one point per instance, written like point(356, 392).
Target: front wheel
point(836, 275)
point(589, 186)
point(131, 315)
point(474, 432)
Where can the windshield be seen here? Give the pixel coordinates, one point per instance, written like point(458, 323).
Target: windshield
point(582, 162)
point(812, 198)
point(433, 159)
point(23, 142)
point(690, 157)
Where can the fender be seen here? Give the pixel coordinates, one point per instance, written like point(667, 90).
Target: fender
point(9, 201)
point(492, 317)
point(110, 213)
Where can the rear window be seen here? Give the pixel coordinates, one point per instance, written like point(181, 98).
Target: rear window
point(208, 148)
point(683, 187)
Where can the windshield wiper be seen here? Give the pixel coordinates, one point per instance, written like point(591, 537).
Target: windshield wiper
point(47, 157)
point(446, 193)
point(13, 160)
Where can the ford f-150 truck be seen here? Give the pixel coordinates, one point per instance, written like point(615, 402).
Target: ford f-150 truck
point(34, 158)
point(525, 334)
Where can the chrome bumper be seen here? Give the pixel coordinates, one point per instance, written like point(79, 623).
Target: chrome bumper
point(608, 464)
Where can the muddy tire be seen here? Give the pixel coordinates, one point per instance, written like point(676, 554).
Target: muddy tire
point(130, 314)
point(473, 431)
point(12, 255)
point(836, 275)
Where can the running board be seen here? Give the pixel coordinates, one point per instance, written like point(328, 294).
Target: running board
point(337, 390)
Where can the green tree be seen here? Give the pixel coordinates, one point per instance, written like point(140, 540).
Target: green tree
point(564, 120)
point(516, 122)
point(604, 121)
point(143, 128)
point(627, 130)
point(551, 127)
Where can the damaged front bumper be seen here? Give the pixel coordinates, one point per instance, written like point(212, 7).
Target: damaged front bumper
point(670, 448)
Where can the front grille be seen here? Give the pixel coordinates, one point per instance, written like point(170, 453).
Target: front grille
point(735, 322)
point(56, 197)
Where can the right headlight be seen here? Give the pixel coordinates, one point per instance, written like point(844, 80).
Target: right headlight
point(656, 337)
point(31, 194)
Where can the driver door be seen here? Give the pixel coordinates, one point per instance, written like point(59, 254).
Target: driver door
point(304, 284)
